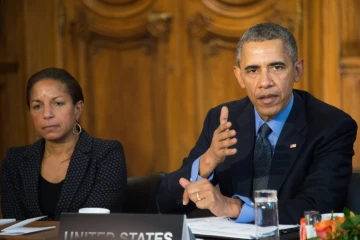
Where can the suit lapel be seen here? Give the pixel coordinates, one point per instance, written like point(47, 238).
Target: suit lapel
point(30, 173)
point(289, 144)
point(75, 173)
point(242, 161)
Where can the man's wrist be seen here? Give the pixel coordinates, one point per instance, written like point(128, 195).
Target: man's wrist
point(206, 165)
point(235, 206)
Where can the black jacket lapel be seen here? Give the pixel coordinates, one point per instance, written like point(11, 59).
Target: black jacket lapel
point(242, 163)
point(30, 173)
point(289, 144)
point(75, 173)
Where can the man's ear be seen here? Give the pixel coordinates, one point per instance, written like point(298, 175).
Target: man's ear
point(79, 106)
point(299, 69)
point(237, 72)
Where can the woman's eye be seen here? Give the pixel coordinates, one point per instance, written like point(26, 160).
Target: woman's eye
point(36, 106)
point(59, 103)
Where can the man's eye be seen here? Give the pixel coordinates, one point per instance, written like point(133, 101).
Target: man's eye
point(251, 71)
point(278, 67)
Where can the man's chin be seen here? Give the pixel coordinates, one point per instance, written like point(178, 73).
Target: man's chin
point(268, 113)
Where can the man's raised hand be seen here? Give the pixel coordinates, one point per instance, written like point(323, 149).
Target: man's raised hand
point(223, 138)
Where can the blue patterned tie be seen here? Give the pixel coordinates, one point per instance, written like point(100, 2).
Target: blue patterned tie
point(262, 158)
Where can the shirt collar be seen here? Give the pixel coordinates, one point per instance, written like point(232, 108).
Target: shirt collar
point(276, 124)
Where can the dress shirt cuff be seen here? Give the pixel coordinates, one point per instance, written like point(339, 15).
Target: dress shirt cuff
point(247, 213)
point(195, 172)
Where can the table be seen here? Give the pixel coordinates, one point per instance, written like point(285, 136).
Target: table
point(53, 233)
point(44, 235)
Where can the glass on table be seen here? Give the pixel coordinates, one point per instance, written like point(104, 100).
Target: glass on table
point(266, 214)
point(311, 217)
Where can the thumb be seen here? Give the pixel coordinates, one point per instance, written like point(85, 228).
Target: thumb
point(224, 115)
point(184, 182)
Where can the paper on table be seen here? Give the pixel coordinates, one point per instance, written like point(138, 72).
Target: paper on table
point(222, 227)
point(19, 229)
point(6, 221)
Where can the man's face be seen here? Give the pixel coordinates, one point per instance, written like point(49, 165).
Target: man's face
point(268, 74)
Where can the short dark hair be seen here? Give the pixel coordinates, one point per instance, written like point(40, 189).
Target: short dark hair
point(268, 31)
point(58, 74)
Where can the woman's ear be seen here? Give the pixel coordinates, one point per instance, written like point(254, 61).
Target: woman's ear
point(79, 106)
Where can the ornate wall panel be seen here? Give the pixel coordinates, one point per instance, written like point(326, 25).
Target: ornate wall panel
point(13, 124)
point(121, 58)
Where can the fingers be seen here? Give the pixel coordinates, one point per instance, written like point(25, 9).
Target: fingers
point(224, 140)
point(223, 131)
point(224, 115)
point(224, 127)
point(205, 199)
point(184, 182)
point(225, 135)
point(230, 151)
point(209, 198)
point(192, 190)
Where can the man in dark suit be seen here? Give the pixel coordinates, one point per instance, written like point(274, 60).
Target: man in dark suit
point(306, 145)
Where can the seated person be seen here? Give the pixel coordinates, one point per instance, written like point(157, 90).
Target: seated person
point(275, 138)
point(66, 169)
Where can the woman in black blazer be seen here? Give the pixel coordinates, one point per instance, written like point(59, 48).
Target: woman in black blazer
point(66, 169)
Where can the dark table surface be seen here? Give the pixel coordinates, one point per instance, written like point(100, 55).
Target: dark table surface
point(53, 233)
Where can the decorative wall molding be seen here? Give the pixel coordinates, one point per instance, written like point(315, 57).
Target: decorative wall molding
point(284, 20)
point(7, 66)
point(350, 65)
point(199, 25)
point(86, 24)
point(159, 24)
point(117, 8)
point(118, 2)
point(214, 36)
point(214, 46)
point(239, 8)
point(202, 25)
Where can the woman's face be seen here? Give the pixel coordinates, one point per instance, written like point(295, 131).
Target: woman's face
point(52, 110)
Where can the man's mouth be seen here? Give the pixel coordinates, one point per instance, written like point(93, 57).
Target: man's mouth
point(267, 99)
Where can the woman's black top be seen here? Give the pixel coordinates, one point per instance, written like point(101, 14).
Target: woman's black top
point(49, 194)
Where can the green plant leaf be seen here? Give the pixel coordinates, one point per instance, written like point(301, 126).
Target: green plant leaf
point(347, 224)
point(346, 212)
point(355, 220)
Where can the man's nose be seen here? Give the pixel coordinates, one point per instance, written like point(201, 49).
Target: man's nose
point(266, 80)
